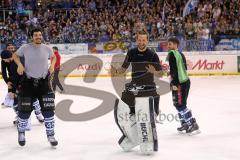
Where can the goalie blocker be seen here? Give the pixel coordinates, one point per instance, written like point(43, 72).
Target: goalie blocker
point(138, 128)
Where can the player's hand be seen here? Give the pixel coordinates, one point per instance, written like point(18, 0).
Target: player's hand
point(20, 69)
point(9, 85)
point(174, 88)
point(51, 69)
point(151, 69)
point(167, 73)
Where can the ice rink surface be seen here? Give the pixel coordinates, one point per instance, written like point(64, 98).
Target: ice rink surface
point(214, 101)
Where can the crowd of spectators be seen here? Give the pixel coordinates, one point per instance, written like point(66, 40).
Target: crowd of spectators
point(74, 21)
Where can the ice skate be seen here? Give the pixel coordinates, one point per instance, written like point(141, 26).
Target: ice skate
point(21, 138)
point(52, 141)
point(193, 129)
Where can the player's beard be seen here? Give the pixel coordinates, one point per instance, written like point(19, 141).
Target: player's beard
point(142, 47)
point(38, 41)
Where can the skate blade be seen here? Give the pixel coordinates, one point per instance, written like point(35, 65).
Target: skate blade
point(41, 122)
point(53, 147)
point(182, 132)
point(194, 133)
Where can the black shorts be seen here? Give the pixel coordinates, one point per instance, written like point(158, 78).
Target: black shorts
point(129, 98)
point(30, 89)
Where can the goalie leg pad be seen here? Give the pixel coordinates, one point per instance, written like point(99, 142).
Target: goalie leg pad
point(146, 127)
point(126, 144)
point(127, 124)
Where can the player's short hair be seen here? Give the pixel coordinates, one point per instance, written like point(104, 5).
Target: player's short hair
point(174, 40)
point(5, 54)
point(35, 30)
point(55, 48)
point(142, 32)
point(9, 44)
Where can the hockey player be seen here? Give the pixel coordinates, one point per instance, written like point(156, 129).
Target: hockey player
point(180, 85)
point(35, 84)
point(139, 101)
point(56, 81)
point(8, 70)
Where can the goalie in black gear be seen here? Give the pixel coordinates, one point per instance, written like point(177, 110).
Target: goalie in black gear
point(135, 117)
point(139, 102)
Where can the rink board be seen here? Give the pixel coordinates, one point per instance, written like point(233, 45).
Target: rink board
point(220, 63)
